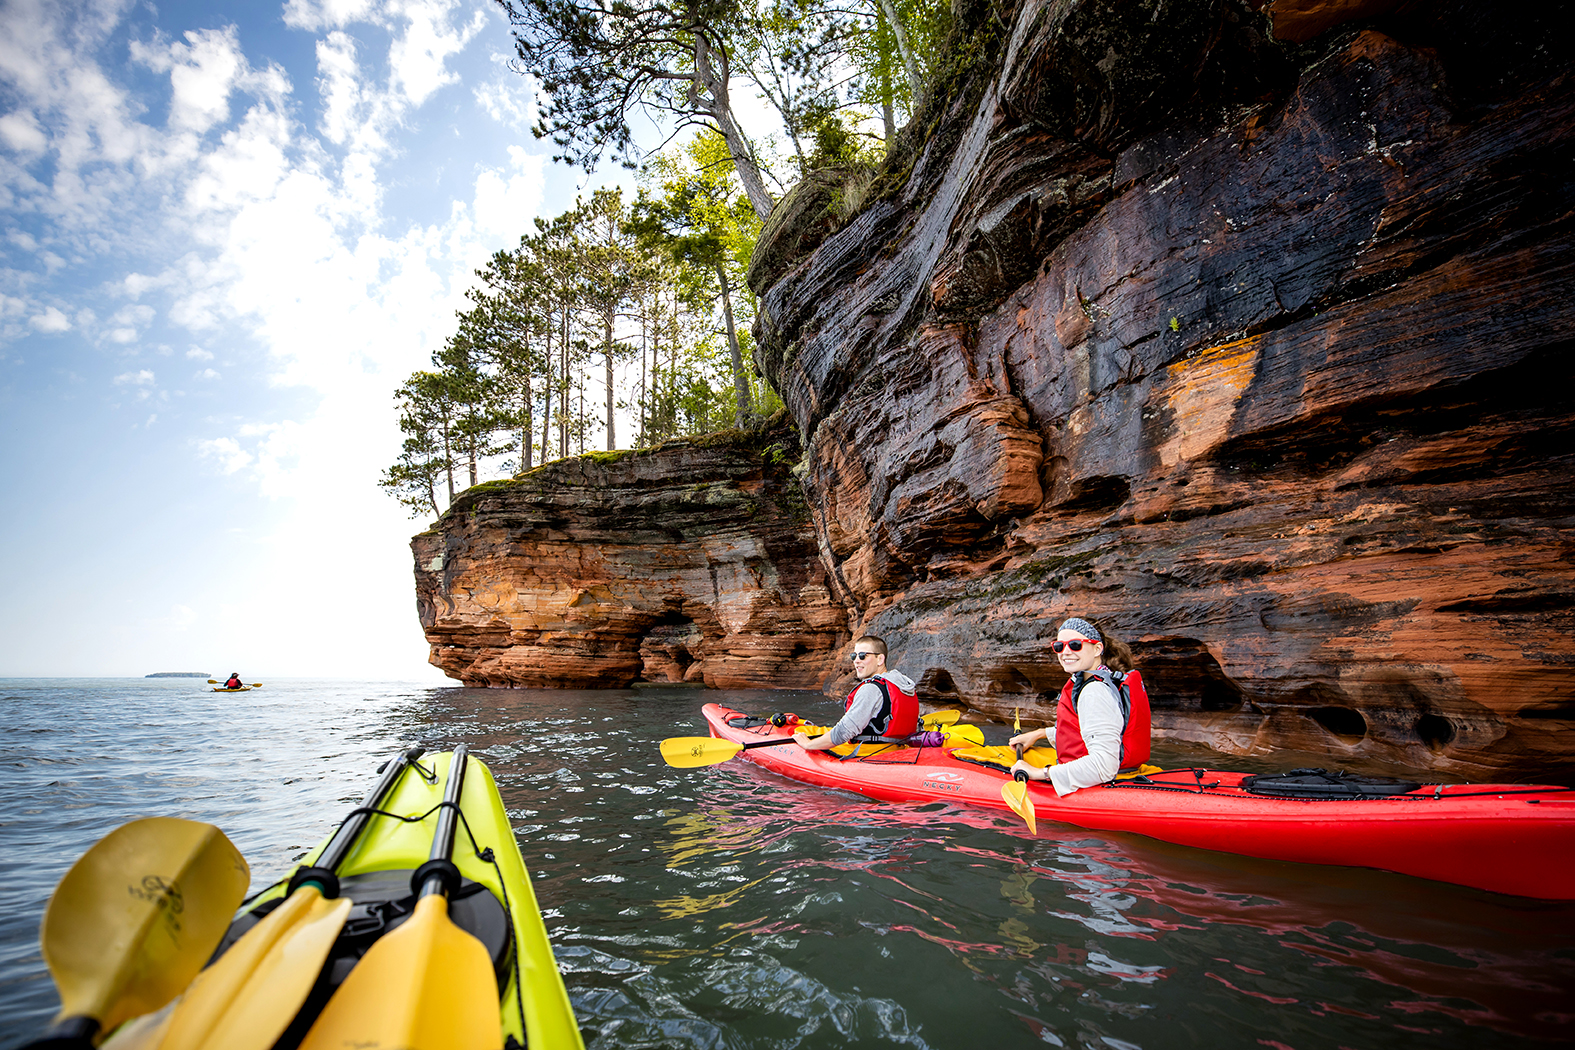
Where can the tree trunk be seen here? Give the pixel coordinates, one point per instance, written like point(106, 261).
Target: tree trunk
point(740, 383)
point(546, 395)
point(563, 389)
point(909, 63)
point(708, 90)
point(525, 407)
point(607, 357)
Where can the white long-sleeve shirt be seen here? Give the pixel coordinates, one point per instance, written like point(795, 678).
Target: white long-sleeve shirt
point(1099, 720)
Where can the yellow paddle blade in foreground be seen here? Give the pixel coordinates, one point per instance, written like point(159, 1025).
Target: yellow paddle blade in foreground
point(136, 917)
point(247, 999)
point(427, 985)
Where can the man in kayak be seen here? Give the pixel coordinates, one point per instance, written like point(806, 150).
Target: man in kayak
point(234, 682)
point(1102, 717)
point(881, 707)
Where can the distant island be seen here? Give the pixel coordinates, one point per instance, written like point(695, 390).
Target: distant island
point(178, 674)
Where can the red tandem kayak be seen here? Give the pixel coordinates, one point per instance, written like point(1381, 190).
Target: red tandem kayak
point(1508, 838)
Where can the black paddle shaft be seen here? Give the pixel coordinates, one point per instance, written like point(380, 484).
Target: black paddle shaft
point(322, 873)
point(438, 874)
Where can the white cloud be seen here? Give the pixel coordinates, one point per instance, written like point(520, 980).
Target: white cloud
point(22, 132)
point(506, 99)
point(419, 57)
point(314, 15)
point(139, 378)
point(51, 320)
point(197, 353)
point(227, 451)
point(138, 314)
point(504, 203)
point(206, 373)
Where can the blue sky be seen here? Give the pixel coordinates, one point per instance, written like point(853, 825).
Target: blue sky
point(227, 233)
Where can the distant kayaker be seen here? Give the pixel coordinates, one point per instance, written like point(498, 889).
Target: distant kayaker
point(882, 706)
point(234, 682)
point(1098, 730)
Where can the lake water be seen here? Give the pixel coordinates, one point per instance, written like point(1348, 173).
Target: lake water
point(725, 907)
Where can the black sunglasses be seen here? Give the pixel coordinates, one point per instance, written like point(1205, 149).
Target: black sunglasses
point(1076, 645)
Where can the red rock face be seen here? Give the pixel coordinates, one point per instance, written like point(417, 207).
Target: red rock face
point(1260, 353)
point(1261, 356)
point(686, 564)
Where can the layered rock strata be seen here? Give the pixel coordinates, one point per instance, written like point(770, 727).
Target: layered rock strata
point(1246, 329)
point(694, 562)
point(1259, 352)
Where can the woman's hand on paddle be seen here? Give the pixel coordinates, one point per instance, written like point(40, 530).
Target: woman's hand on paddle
point(1033, 736)
point(1031, 772)
point(808, 742)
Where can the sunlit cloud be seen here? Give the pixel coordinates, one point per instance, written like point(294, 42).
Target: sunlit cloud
point(50, 320)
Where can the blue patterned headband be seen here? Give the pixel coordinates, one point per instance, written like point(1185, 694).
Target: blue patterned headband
point(1083, 627)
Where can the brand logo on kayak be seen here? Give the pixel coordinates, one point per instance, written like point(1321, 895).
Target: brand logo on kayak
point(942, 781)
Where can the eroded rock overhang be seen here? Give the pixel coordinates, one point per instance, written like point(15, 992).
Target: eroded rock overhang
point(1258, 347)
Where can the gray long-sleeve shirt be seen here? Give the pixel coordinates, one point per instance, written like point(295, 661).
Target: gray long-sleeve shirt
point(866, 705)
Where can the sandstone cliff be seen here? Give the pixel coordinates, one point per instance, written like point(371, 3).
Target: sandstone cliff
point(1246, 329)
point(1260, 352)
point(691, 563)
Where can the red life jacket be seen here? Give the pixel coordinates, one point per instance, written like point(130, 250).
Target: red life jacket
point(898, 716)
point(1135, 721)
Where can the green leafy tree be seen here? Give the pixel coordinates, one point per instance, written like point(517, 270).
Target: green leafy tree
point(428, 409)
point(610, 267)
point(601, 61)
point(702, 224)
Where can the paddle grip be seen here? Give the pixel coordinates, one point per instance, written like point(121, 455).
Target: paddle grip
point(1019, 775)
point(74, 1033)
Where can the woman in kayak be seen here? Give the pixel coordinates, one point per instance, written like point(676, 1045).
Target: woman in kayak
point(1098, 729)
point(234, 682)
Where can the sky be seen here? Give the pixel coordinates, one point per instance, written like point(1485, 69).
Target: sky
point(228, 232)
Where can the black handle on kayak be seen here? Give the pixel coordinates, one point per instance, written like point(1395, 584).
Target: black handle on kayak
point(438, 874)
point(1019, 775)
point(328, 861)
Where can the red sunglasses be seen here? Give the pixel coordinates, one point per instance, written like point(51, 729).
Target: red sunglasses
point(1076, 645)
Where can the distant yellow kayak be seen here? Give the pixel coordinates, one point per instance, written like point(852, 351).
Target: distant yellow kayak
point(237, 689)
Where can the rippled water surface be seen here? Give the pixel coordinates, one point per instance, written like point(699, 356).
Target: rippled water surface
point(727, 907)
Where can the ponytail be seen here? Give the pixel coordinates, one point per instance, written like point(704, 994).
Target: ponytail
point(1118, 657)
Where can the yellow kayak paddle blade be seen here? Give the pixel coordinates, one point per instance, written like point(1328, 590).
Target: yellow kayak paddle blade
point(248, 998)
point(137, 916)
point(427, 985)
point(1015, 793)
point(937, 719)
point(687, 752)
